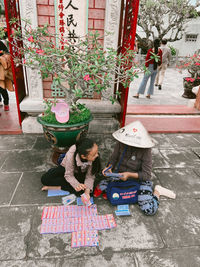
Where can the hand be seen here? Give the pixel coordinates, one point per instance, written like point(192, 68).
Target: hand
point(87, 195)
point(80, 187)
point(125, 176)
point(86, 198)
point(107, 170)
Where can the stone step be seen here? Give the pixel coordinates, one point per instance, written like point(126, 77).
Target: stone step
point(161, 109)
point(167, 124)
point(9, 122)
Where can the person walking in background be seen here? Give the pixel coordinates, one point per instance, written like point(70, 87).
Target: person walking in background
point(166, 56)
point(152, 66)
point(3, 91)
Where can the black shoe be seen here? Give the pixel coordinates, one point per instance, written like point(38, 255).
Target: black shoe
point(159, 87)
point(156, 84)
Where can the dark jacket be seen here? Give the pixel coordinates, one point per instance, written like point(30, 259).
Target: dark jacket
point(134, 160)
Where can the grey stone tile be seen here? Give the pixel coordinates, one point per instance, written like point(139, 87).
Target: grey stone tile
point(183, 257)
point(179, 222)
point(185, 182)
point(27, 160)
point(14, 231)
point(132, 232)
point(162, 141)
point(197, 171)
point(180, 158)
point(3, 156)
point(8, 183)
point(29, 191)
point(41, 143)
point(183, 140)
point(29, 263)
point(158, 161)
point(196, 136)
point(53, 245)
point(11, 142)
point(109, 259)
point(196, 151)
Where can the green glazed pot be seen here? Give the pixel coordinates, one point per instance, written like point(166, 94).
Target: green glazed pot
point(61, 137)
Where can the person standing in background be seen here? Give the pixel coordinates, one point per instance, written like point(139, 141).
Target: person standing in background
point(166, 56)
point(152, 66)
point(3, 91)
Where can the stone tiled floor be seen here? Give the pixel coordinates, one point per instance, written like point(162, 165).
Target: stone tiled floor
point(170, 238)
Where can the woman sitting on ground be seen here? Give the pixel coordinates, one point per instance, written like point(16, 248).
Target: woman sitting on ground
point(77, 171)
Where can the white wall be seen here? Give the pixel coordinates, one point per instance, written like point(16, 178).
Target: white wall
point(184, 48)
point(188, 48)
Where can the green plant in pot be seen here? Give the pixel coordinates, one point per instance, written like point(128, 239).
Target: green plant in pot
point(192, 64)
point(79, 69)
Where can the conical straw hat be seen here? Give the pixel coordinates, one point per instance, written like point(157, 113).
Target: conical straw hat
point(134, 134)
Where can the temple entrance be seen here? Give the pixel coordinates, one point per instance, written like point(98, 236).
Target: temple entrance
point(11, 120)
point(166, 111)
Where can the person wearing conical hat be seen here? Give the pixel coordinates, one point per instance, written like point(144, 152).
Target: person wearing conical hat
point(132, 159)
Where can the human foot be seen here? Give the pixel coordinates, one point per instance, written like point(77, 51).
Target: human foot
point(6, 108)
point(136, 96)
point(148, 96)
point(45, 188)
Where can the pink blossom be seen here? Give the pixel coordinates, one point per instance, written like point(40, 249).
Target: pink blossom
point(87, 77)
point(40, 52)
point(190, 79)
point(30, 39)
point(24, 61)
point(197, 64)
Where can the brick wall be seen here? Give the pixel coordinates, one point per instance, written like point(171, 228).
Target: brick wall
point(96, 15)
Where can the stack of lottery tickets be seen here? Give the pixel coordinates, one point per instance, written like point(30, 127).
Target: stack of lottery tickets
point(68, 199)
point(82, 221)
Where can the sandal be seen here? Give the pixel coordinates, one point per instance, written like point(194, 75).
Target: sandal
point(148, 96)
point(136, 96)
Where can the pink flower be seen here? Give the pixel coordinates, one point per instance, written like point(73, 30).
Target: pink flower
point(30, 39)
point(87, 77)
point(24, 61)
point(197, 64)
point(40, 52)
point(190, 79)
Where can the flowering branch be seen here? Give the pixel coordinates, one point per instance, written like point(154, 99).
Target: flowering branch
point(80, 68)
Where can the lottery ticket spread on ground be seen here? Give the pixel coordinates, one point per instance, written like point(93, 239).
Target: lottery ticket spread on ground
point(85, 239)
point(82, 221)
point(73, 224)
point(54, 212)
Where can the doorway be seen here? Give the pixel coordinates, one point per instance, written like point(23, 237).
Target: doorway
point(166, 111)
point(11, 120)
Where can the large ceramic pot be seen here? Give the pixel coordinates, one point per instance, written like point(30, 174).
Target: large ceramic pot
point(188, 85)
point(61, 137)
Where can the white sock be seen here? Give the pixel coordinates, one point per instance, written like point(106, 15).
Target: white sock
point(165, 192)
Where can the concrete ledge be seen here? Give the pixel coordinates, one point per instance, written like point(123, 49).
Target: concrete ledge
point(30, 125)
point(99, 106)
point(104, 115)
point(31, 106)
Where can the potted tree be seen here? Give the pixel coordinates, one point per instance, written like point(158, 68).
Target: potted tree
point(192, 64)
point(79, 68)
